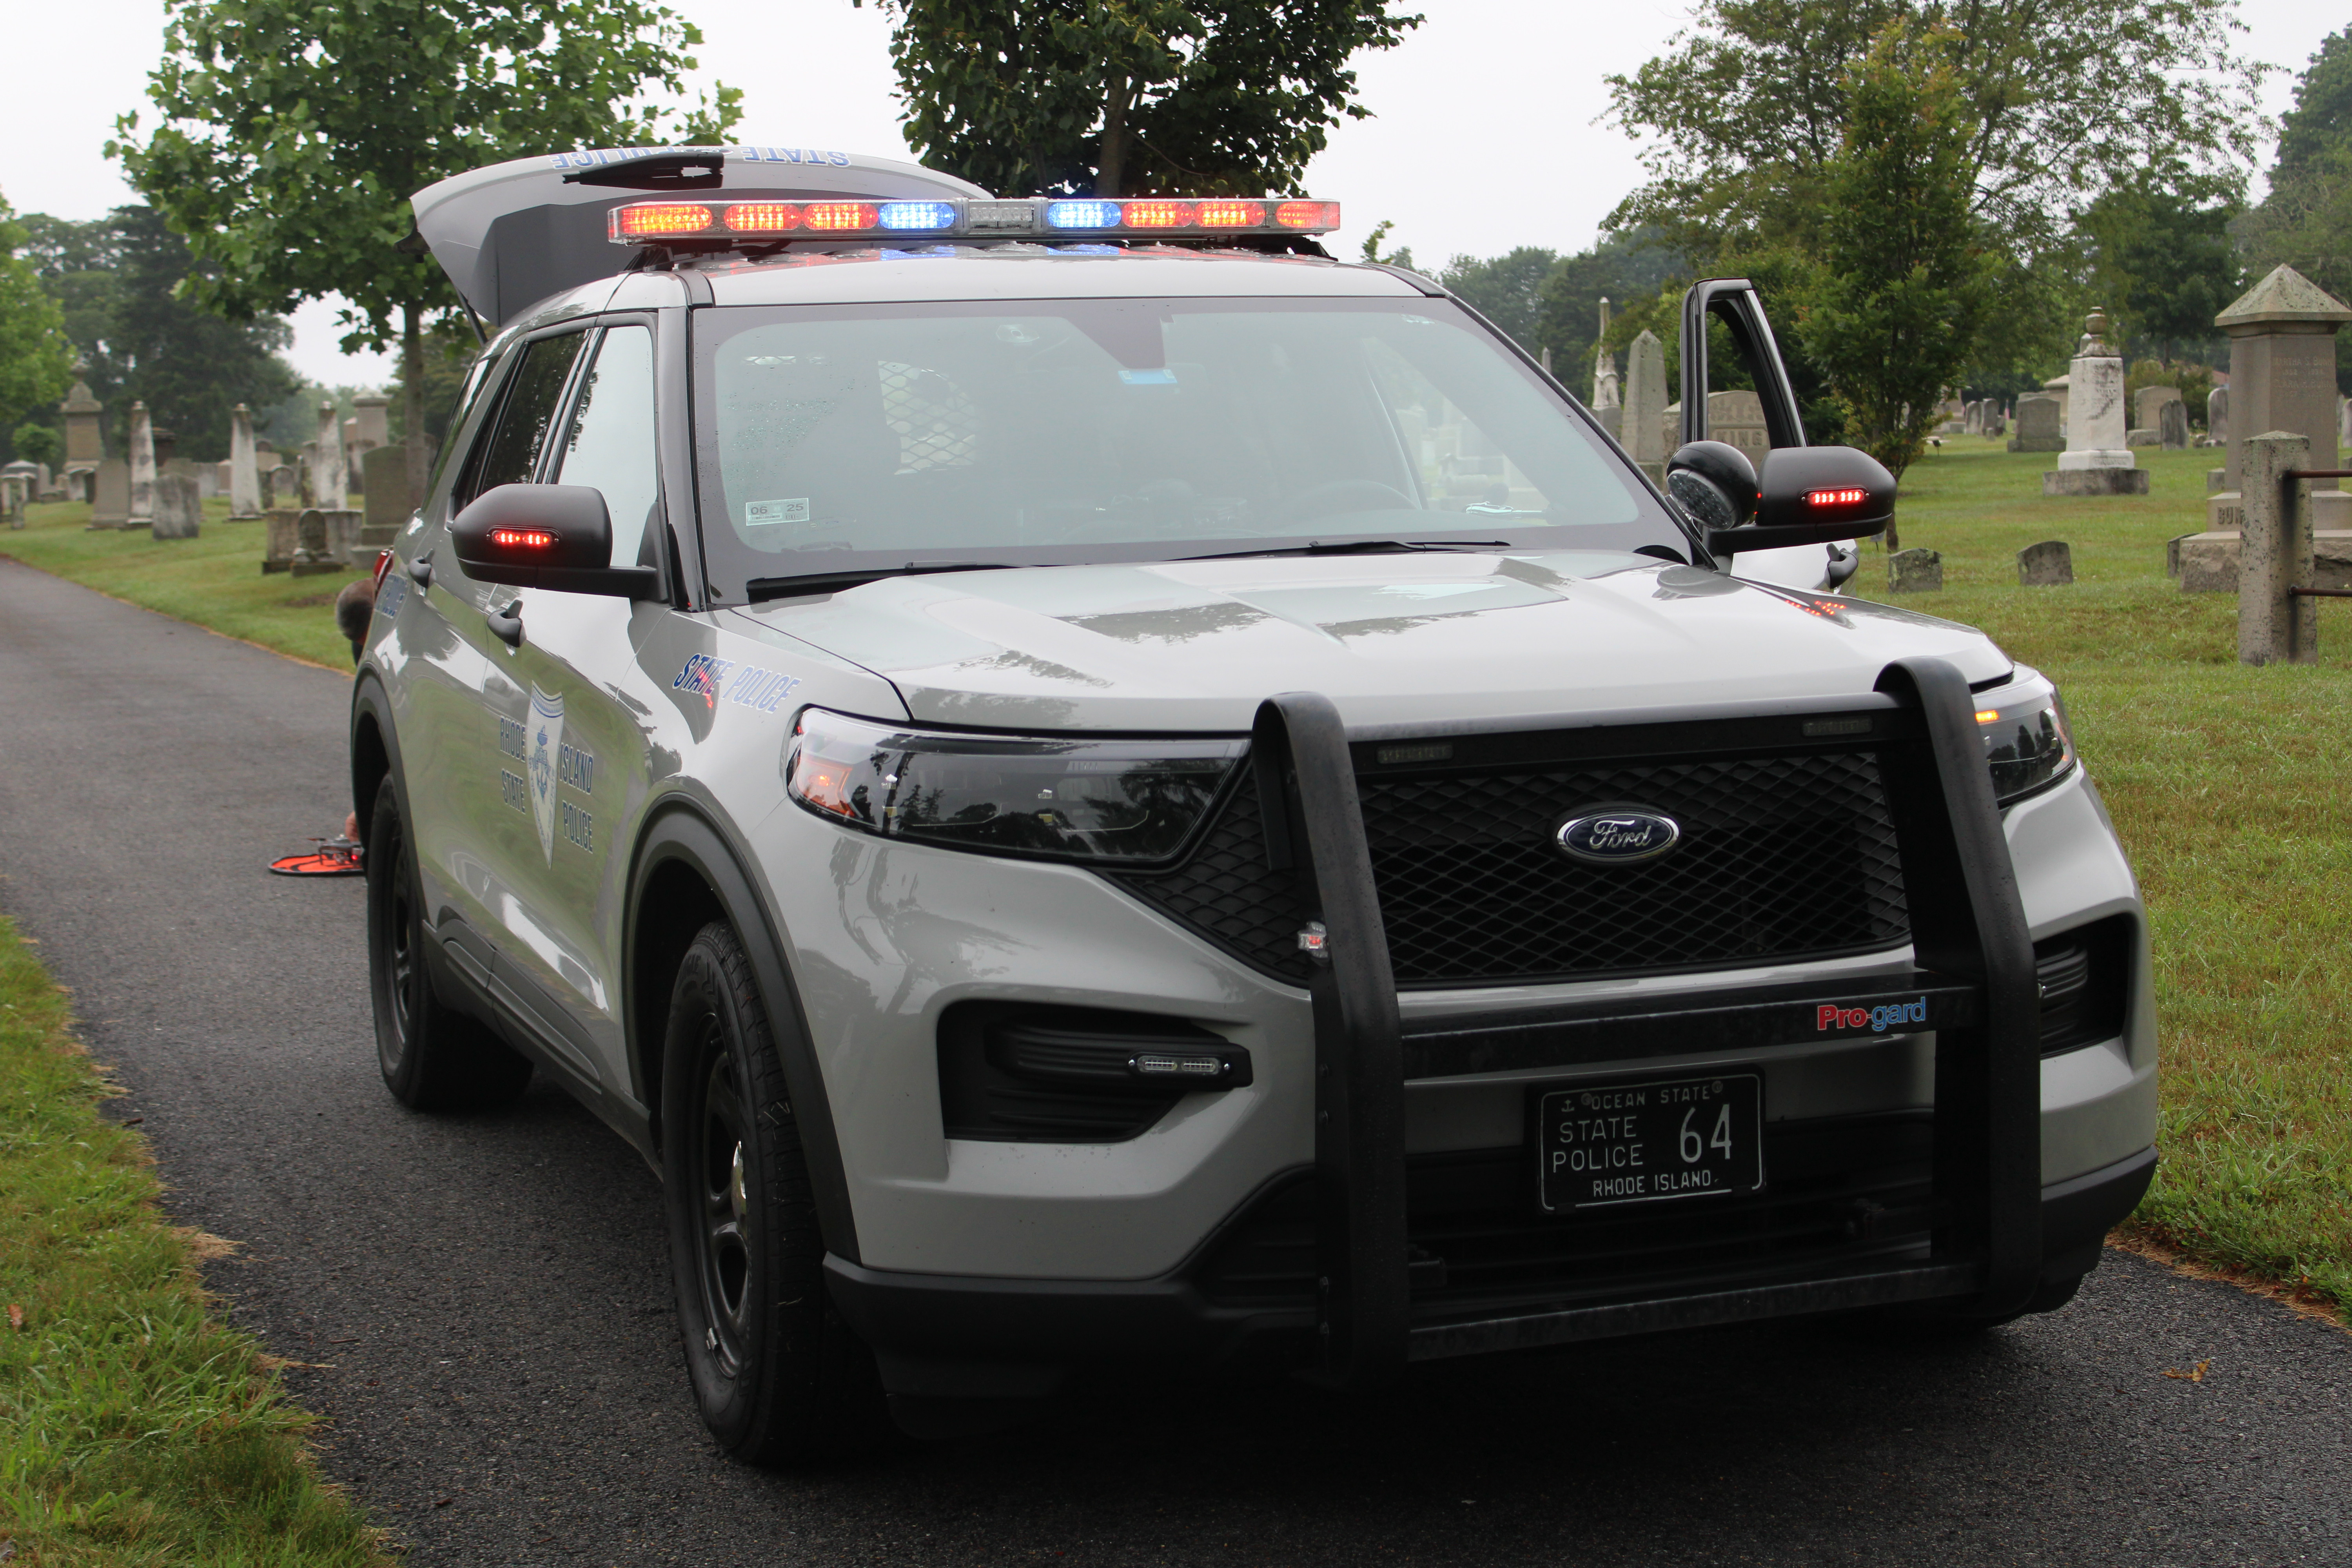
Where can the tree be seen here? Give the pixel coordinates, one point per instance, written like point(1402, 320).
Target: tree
point(294, 132)
point(2056, 100)
point(1209, 98)
point(2163, 263)
point(35, 365)
point(1903, 280)
point(38, 443)
point(2306, 222)
point(1621, 269)
point(1506, 290)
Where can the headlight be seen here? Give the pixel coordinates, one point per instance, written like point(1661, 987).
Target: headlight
point(2025, 737)
point(1125, 801)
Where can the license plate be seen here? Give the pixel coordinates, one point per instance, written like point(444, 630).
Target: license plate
point(1599, 1144)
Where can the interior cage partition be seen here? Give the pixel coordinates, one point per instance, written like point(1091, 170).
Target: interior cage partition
point(1967, 927)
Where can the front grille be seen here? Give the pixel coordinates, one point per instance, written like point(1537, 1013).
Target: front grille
point(1781, 858)
point(1839, 1191)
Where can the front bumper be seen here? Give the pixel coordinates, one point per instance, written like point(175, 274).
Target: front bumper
point(954, 1336)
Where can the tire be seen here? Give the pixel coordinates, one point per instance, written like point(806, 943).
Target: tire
point(778, 1376)
point(431, 1057)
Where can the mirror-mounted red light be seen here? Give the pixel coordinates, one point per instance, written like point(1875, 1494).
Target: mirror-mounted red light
point(523, 539)
point(1851, 496)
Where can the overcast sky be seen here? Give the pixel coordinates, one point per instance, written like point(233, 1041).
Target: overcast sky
point(1484, 135)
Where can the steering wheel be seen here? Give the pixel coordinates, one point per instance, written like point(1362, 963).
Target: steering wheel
point(1352, 495)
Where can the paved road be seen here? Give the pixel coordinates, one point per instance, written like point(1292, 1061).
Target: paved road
point(502, 1378)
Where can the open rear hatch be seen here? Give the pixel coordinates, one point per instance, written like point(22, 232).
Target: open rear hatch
point(512, 234)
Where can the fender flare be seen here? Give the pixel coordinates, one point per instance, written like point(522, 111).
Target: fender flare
point(371, 700)
point(678, 831)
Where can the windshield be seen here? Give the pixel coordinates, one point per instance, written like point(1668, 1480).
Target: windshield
point(1041, 432)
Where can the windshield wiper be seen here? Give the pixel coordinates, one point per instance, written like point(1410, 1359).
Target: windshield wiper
point(1361, 547)
point(760, 588)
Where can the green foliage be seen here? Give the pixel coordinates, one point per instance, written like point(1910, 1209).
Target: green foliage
point(2163, 264)
point(1400, 256)
point(2057, 101)
point(135, 1427)
point(34, 363)
point(38, 443)
point(1903, 281)
point(1508, 290)
point(1619, 268)
point(294, 131)
point(1209, 98)
point(2306, 222)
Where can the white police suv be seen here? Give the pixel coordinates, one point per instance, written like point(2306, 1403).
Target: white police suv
point(1093, 785)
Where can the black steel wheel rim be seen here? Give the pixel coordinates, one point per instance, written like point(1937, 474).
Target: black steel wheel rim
point(400, 956)
point(723, 1189)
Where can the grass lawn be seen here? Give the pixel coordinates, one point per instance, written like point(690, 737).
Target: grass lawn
point(135, 1426)
point(214, 579)
point(2232, 789)
point(2229, 784)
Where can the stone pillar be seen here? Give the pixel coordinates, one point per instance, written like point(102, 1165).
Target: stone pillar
point(143, 469)
point(2282, 378)
point(244, 466)
point(2097, 459)
point(329, 475)
point(2274, 625)
point(85, 439)
point(1643, 428)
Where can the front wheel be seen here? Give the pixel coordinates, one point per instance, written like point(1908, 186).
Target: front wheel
point(778, 1376)
point(431, 1057)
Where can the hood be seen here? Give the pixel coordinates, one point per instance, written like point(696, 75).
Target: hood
point(1196, 646)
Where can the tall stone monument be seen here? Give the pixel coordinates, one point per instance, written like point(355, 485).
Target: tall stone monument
point(143, 469)
point(2216, 420)
point(1608, 397)
point(2096, 462)
point(85, 440)
point(1644, 433)
point(2282, 378)
point(331, 477)
point(244, 466)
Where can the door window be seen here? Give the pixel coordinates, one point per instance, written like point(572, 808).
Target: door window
point(509, 454)
point(610, 444)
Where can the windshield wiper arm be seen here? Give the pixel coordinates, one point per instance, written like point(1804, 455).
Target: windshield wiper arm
point(760, 588)
point(1361, 547)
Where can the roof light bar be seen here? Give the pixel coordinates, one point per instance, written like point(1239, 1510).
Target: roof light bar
point(656, 222)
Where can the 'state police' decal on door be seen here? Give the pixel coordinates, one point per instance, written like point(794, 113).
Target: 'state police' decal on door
point(546, 741)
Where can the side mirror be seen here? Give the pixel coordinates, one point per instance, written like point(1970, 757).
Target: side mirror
point(1715, 481)
point(546, 536)
point(1810, 495)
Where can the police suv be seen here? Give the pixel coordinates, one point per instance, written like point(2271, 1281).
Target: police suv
point(1093, 785)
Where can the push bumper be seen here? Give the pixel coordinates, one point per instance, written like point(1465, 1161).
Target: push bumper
point(950, 1336)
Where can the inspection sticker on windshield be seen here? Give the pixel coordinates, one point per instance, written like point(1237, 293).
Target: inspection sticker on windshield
point(1636, 1142)
point(766, 513)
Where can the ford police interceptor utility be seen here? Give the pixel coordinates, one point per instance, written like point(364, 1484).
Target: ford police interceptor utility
point(1092, 785)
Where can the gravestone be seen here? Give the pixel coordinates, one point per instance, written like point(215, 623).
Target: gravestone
point(143, 467)
point(85, 439)
point(281, 487)
point(330, 476)
point(1645, 404)
point(2173, 427)
point(2217, 417)
point(2037, 425)
point(324, 540)
point(282, 538)
point(1914, 571)
point(2147, 408)
point(2096, 462)
point(179, 508)
point(2282, 379)
point(2045, 565)
point(1737, 418)
point(385, 490)
point(1605, 392)
point(244, 466)
point(1996, 421)
point(109, 504)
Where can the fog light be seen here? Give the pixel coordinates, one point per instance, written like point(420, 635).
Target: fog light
point(1155, 1064)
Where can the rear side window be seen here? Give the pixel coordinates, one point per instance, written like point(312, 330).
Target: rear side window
point(508, 452)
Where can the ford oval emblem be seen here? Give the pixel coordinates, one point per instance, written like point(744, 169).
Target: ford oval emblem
point(1618, 837)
